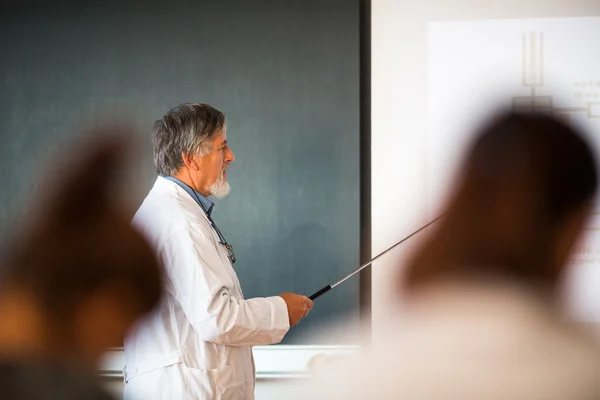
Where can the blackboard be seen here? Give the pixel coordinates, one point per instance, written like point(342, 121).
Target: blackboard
point(286, 74)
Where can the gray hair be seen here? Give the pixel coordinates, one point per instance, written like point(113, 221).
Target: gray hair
point(185, 129)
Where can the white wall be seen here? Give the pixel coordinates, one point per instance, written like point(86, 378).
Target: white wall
point(399, 114)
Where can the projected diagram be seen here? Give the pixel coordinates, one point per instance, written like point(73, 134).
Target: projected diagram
point(533, 77)
point(545, 66)
point(542, 65)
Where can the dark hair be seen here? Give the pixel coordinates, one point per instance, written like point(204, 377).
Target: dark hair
point(78, 241)
point(186, 128)
point(522, 180)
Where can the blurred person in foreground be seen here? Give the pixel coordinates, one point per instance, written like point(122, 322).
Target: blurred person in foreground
point(198, 344)
point(72, 282)
point(479, 315)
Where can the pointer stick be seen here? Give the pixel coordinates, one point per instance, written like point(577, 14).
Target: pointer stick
point(356, 271)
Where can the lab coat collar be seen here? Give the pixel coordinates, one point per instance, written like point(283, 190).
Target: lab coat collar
point(202, 201)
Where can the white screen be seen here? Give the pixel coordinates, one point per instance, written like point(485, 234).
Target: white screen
point(437, 68)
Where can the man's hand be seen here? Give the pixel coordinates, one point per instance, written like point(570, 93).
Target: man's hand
point(297, 305)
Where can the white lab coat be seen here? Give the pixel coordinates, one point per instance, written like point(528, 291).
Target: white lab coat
point(198, 344)
point(468, 343)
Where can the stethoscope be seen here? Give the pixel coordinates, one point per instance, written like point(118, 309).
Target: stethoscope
point(222, 241)
point(228, 246)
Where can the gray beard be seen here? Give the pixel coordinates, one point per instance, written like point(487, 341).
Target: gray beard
point(220, 188)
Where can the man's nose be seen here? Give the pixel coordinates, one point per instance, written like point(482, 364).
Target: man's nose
point(229, 156)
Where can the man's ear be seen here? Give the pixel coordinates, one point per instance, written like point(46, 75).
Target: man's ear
point(190, 161)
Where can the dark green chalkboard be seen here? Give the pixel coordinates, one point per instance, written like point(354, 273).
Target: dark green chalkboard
point(286, 73)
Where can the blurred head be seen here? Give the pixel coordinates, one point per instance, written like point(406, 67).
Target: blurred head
point(521, 200)
point(190, 143)
point(77, 276)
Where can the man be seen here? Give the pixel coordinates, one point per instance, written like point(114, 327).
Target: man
point(75, 278)
point(199, 343)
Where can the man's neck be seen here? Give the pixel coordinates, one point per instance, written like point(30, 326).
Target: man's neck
point(184, 176)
